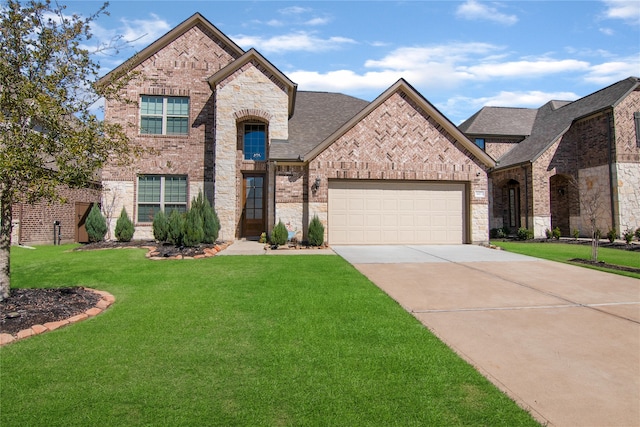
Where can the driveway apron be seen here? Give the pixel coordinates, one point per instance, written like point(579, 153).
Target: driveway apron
point(562, 341)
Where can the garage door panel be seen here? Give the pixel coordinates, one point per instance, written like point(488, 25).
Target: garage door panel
point(387, 212)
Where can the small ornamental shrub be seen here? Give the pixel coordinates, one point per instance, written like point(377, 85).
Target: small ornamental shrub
point(556, 233)
point(505, 232)
point(575, 233)
point(316, 232)
point(263, 237)
point(279, 235)
point(193, 232)
point(612, 234)
point(160, 227)
point(597, 234)
point(124, 227)
point(96, 225)
point(175, 229)
point(628, 236)
point(548, 233)
point(525, 234)
point(638, 233)
point(210, 221)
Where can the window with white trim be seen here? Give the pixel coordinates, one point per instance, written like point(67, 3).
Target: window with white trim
point(164, 115)
point(161, 192)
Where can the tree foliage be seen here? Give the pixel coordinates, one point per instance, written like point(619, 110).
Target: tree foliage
point(96, 225)
point(124, 227)
point(49, 136)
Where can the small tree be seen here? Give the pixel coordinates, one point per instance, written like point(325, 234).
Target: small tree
point(316, 232)
point(96, 225)
point(279, 235)
point(160, 226)
point(210, 221)
point(124, 227)
point(175, 229)
point(193, 232)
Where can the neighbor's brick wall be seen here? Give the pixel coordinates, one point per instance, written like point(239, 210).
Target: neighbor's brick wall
point(400, 141)
point(179, 69)
point(33, 224)
point(498, 147)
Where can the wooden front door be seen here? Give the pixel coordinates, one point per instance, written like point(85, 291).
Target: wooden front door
point(253, 205)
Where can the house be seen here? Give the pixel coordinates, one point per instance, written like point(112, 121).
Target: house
point(228, 122)
point(566, 163)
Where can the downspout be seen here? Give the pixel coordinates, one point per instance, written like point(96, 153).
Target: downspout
point(612, 173)
point(526, 197)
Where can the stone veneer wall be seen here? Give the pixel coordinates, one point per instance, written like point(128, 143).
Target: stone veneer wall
point(253, 91)
point(179, 69)
point(400, 141)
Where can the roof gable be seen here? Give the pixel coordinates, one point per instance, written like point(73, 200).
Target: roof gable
point(168, 38)
point(551, 123)
point(404, 87)
point(253, 55)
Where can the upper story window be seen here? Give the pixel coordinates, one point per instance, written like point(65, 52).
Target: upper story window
point(254, 145)
point(636, 120)
point(480, 142)
point(163, 115)
point(161, 192)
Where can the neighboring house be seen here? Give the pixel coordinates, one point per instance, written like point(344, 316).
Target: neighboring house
point(33, 224)
point(566, 162)
point(229, 123)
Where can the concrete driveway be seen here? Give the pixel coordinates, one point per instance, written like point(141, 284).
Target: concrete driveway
point(562, 341)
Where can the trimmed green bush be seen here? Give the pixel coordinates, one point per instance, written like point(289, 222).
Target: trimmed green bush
point(612, 235)
point(279, 235)
point(556, 233)
point(316, 232)
point(525, 234)
point(160, 227)
point(638, 233)
point(193, 232)
point(575, 233)
point(175, 229)
point(628, 236)
point(96, 225)
point(548, 233)
point(124, 227)
point(210, 221)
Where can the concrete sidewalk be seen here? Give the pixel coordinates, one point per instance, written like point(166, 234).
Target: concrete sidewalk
point(562, 341)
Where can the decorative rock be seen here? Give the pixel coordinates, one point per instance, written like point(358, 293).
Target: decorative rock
point(93, 311)
point(6, 339)
point(25, 333)
point(55, 325)
point(38, 329)
point(78, 317)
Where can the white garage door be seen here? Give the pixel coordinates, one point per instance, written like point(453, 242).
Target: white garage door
point(387, 212)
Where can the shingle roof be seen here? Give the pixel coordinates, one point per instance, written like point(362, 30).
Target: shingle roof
point(316, 116)
point(551, 123)
point(500, 121)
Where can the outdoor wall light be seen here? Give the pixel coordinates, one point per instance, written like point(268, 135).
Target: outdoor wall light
point(316, 184)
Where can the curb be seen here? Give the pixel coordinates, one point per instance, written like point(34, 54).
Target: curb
point(106, 299)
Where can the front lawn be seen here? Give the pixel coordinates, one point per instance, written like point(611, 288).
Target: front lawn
point(563, 252)
point(235, 341)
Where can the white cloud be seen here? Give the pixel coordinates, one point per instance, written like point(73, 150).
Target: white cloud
point(142, 32)
point(474, 10)
point(317, 21)
point(613, 71)
point(294, 10)
point(628, 11)
point(299, 41)
point(536, 68)
point(607, 31)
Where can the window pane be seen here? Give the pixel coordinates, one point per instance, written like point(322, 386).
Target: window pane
point(177, 126)
point(151, 125)
point(147, 212)
point(151, 105)
point(179, 208)
point(177, 106)
point(149, 189)
point(175, 189)
point(255, 142)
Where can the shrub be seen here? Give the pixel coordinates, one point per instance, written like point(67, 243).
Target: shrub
point(175, 229)
point(210, 221)
point(628, 236)
point(160, 227)
point(548, 233)
point(124, 227)
point(316, 232)
point(525, 233)
point(279, 234)
point(263, 237)
point(193, 232)
point(505, 232)
point(638, 233)
point(575, 233)
point(612, 234)
point(96, 225)
point(556, 233)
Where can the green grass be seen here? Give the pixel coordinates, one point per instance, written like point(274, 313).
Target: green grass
point(235, 341)
point(563, 252)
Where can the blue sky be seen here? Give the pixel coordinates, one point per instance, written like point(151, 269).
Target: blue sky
point(461, 55)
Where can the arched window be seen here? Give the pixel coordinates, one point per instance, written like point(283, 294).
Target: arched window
point(254, 142)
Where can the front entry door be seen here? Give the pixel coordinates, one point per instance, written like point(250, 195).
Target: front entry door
point(253, 206)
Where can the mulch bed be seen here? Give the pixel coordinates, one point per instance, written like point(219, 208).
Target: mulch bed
point(605, 265)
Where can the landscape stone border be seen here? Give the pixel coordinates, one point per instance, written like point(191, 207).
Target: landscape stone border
point(106, 299)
